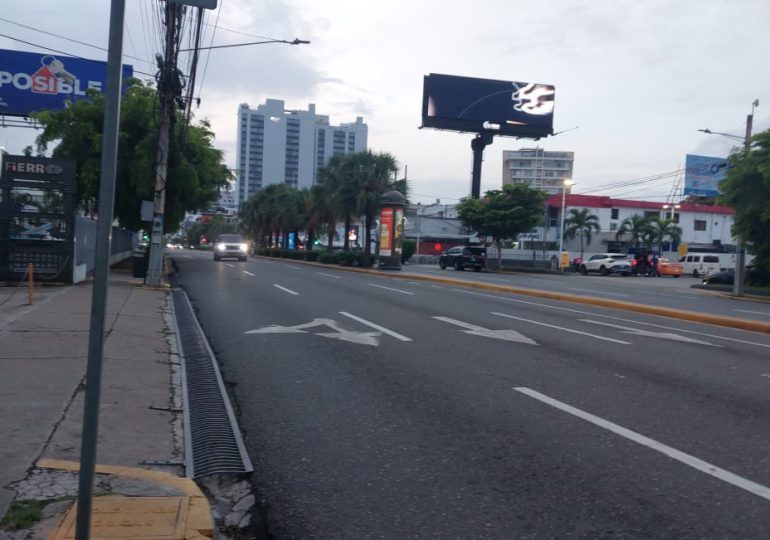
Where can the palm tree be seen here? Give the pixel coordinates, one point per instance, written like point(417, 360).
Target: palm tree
point(374, 178)
point(660, 229)
point(339, 176)
point(582, 223)
point(637, 226)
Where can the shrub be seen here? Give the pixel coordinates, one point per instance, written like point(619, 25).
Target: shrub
point(408, 248)
point(312, 255)
point(328, 258)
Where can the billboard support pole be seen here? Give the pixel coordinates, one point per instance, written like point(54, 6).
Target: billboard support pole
point(479, 142)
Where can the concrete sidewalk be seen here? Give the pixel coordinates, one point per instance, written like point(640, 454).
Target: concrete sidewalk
point(43, 355)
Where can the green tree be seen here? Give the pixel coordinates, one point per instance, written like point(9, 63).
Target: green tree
point(638, 227)
point(196, 170)
point(747, 189)
point(661, 229)
point(581, 223)
point(504, 213)
point(373, 178)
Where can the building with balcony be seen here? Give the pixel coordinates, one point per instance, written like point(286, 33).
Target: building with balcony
point(280, 146)
point(538, 168)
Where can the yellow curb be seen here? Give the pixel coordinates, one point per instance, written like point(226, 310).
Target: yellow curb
point(718, 320)
point(197, 516)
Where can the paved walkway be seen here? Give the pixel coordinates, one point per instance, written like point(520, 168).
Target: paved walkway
point(43, 356)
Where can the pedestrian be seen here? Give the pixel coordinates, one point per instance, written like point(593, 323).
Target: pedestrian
point(654, 265)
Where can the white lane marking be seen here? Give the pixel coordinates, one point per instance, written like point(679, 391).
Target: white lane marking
point(602, 292)
point(285, 289)
point(362, 338)
point(231, 265)
point(370, 324)
point(437, 286)
point(754, 312)
point(562, 328)
point(673, 453)
point(474, 330)
point(647, 333)
point(295, 267)
point(414, 283)
point(328, 275)
point(614, 318)
point(390, 289)
point(248, 273)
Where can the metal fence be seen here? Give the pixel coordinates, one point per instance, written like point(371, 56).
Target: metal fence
point(123, 244)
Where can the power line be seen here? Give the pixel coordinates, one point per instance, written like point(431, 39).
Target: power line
point(70, 39)
point(62, 52)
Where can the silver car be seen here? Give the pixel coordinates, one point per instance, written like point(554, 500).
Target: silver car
point(231, 246)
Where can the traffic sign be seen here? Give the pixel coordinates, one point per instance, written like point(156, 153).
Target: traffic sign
point(682, 250)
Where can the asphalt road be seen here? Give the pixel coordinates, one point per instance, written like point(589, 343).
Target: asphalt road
point(375, 407)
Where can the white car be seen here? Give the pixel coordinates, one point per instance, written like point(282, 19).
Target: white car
point(606, 264)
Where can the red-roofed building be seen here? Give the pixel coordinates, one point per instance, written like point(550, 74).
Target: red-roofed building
point(700, 224)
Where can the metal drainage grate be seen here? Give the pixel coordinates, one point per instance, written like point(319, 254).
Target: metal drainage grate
point(213, 443)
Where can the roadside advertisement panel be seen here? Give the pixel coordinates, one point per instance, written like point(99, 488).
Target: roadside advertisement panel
point(386, 226)
point(703, 174)
point(474, 105)
point(34, 81)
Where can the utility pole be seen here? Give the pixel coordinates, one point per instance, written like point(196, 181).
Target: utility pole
point(166, 93)
point(740, 255)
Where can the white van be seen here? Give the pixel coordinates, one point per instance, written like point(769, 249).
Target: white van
point(700, 264)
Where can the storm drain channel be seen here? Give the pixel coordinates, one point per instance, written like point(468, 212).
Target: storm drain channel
point(213, 443)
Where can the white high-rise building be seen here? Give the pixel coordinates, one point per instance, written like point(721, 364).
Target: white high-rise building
point(538, 168)
point(279, 146)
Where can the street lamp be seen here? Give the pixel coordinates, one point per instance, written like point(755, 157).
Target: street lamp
point(567, 183)
point(740, 255)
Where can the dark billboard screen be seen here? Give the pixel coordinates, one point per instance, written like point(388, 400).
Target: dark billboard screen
point(35, 81)
point(475, 105)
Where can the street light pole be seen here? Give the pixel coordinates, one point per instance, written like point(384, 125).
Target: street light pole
point(567, 183)
point(740, 255)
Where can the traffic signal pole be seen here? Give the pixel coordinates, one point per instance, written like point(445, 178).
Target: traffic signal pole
point(166, 94)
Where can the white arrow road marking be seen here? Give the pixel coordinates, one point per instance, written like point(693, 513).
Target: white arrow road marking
point(362, 338)
point(390, 289)
point(284, 289)
point(376, 326)
point(691, 461)
point(563, 329)
point(647, 333)
point(472, 329)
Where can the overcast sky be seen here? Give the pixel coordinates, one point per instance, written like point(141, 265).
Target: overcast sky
point(639, 77)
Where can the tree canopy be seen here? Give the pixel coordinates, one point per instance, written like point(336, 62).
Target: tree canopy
point(196, 170)
point(747, 189)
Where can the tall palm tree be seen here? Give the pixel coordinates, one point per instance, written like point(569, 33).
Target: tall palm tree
point(582, 223)
point(637, 226)
point(374, 172)
point(339, 176)
point(660, 229)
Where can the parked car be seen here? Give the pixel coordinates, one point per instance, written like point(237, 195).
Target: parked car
point(606, 264)
point(725, 277)
point(462, 257)
point(231, 246)
point(700, 264)
point(667, 267)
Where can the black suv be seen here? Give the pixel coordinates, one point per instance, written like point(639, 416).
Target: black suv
point(462, 257)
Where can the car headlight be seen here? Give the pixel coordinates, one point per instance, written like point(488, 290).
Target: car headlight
point(244, 247)
point(220, 247)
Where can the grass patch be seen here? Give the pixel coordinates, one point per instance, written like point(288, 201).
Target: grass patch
point(23, 515)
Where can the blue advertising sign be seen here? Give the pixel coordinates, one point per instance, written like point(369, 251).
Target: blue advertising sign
point(703, 174)
point(474, 105)
point(36, 81)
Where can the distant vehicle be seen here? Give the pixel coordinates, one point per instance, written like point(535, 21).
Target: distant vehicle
point(669, 268)
point(726, 277)
point(700, 264)
point(606, 264)
point(462, 257)
point(231, 246)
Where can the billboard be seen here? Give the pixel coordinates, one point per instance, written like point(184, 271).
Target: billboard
point(703, 174)
point(475, 105)
point(35, 81)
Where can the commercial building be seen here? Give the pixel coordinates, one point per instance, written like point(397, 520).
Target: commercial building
point(538, 168)
point(280, 146)
point(700, 224)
